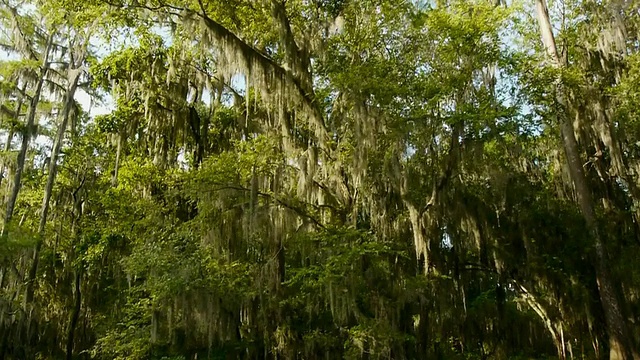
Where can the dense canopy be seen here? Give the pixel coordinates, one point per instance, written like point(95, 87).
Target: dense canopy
point(320, 179)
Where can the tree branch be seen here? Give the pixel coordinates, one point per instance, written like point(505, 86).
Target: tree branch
point(298, 210)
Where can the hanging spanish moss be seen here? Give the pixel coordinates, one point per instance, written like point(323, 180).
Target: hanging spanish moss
point(319, 180)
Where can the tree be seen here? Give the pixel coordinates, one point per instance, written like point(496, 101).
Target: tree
point(324, 179)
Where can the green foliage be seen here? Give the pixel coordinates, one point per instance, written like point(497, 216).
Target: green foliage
point(317, 180)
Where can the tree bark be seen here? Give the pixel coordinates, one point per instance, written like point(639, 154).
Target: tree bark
point(620, 344)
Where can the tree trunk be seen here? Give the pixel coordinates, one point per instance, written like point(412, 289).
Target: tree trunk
point(75, 315)
point(555, 330)
point(74, 75)
point(7, 145)
point(620, 345)
point(114, 177)
point(29, 124)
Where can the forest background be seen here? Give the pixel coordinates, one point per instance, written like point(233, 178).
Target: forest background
point(319, 179)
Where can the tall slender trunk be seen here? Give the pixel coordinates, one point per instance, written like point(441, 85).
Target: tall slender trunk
point(620, 344)
point(29, 124)
point(76, 215)
point(57, 147)
point(7, 145)
point(554, 328)
point(74, 75)
point(114, 177)
point(75, 315)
